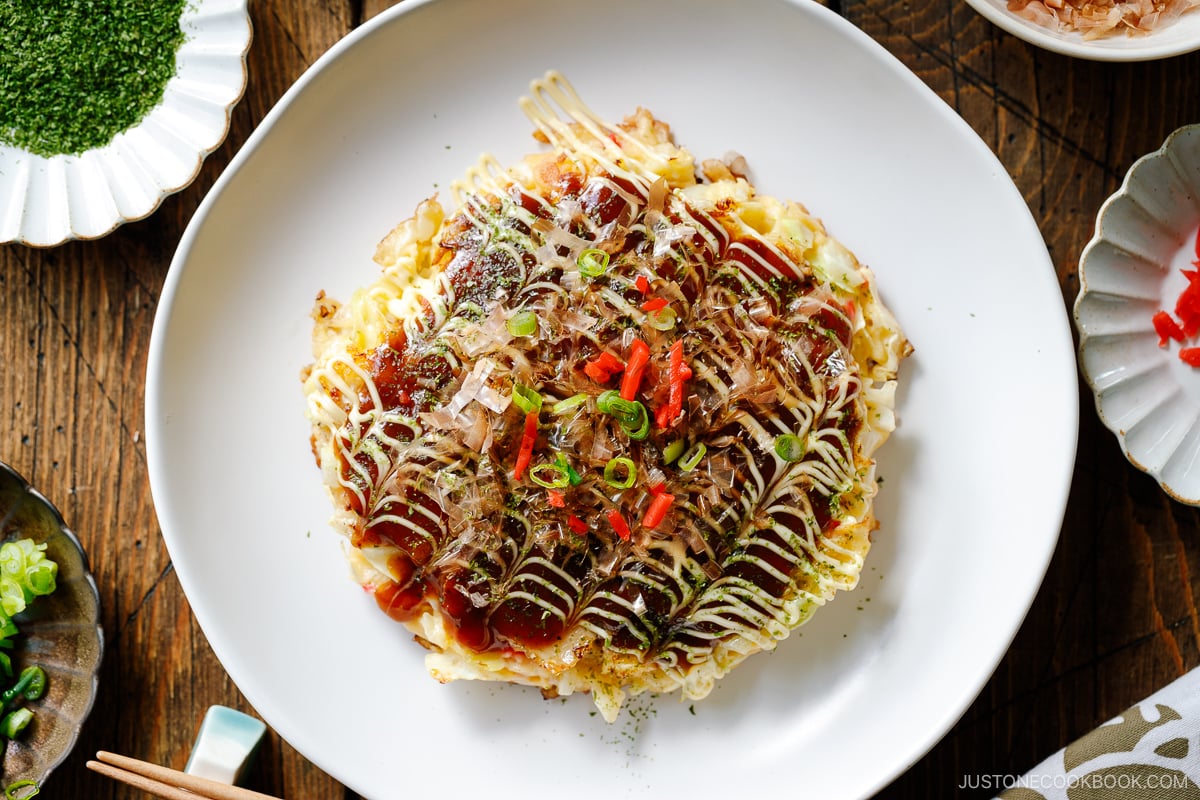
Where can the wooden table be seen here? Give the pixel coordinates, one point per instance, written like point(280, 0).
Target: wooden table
point(1116, 618)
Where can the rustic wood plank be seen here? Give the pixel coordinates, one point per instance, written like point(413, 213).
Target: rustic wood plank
point(1116, 617)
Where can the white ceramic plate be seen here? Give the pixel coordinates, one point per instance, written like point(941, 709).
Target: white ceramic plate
point(1132, 268)
point(1181, 37)
point(45, 201)
point(976, 477)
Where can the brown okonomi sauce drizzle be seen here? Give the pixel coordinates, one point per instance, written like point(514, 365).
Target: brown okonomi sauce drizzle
point(441, 469)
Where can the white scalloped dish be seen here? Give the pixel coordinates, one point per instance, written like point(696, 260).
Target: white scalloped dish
point(1181, 36)
point(45, 201)
point(1132, 268)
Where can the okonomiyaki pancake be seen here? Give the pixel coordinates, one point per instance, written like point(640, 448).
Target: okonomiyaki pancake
point(608, 424)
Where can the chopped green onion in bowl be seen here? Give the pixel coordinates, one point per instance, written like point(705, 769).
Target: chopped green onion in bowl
point(61, 627)
point(15, 721)
point(25, 573)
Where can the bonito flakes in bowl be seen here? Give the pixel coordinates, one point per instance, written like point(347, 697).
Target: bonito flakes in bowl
point(1094, 19)
point(1100, 30)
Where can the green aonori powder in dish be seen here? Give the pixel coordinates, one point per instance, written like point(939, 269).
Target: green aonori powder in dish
point(75, 73)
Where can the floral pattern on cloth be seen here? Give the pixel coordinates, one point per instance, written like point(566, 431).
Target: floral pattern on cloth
point(1150, 751)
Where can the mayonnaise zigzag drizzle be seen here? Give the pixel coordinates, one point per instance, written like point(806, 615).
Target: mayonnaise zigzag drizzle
point(609, 425)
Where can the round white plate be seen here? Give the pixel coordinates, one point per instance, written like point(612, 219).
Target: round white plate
point(45, 201)
point(976, 477)
point(1183, 36)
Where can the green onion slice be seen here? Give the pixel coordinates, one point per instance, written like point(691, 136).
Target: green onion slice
point(11, 791)
point(562, 406)
point(606, 399)
point(593, 262)
point(31, 685)
point(550, 476)
point(573, 477)
point(789, 447)
point(526, 399)
point(639, 429)
point(613, 472)
point(40, 577)
point(12, 596)
point(15, 721)
point(692, 457)
point(662, 320)
point(631, 414)
point(523, 323)
point(36, 685)
point(673, 451)
point(13, 558)
point(627, 412)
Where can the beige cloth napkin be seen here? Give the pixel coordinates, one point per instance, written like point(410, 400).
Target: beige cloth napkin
point(1150, 751)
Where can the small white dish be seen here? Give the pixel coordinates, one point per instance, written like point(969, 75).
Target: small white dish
point(48, 201)
point(1145, 236)
point(1182, 36)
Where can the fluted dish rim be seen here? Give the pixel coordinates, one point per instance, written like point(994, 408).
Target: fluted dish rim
point(47, 201)
point(1129, 270)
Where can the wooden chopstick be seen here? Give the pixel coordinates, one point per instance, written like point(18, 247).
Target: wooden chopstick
point(166, 783)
